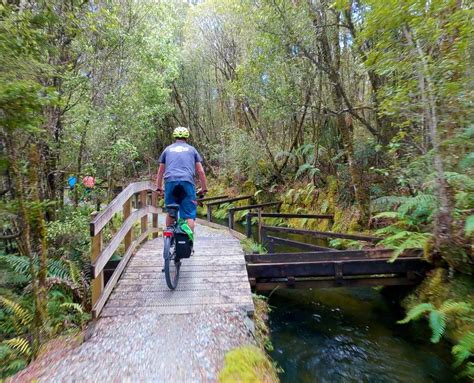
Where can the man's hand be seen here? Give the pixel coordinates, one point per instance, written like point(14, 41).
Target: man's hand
point(201, 193)
point(159, 191)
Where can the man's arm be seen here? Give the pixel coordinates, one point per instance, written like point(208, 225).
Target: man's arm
point(159, 176)
point(202, 176)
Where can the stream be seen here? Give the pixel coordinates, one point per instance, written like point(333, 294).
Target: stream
point(350, 335)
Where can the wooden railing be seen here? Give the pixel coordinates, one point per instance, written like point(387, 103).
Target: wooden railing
point(101, 254)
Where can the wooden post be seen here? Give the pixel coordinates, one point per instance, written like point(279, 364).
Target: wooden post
point(209, 213)
point(97, 284)
point(231, 218)
point(143, 204)
point(248, 225)
point(154, 203)
point(259, 226)
point(127, 210)
point(271, 245)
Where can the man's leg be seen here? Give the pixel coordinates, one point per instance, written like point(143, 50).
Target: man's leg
point(191, 223)
point(189, 204)
point(169, 199)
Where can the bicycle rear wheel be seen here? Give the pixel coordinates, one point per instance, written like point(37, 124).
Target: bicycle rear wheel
point(172, 265)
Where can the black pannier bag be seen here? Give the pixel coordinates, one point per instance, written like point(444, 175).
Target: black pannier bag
point(183, 244)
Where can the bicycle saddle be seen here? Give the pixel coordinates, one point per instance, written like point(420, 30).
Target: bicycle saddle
point(172, 209)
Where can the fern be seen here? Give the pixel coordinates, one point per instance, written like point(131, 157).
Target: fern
point(19, 312)
point(455, 308)
point(57, 268)
point(72, 306)
point(437, 321)
point(19, 344)
point(18, 264)
point(404, 240)
point(416, 312)
point(469, 226)
point(464, 349)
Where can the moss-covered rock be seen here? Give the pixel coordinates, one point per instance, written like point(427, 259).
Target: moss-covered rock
point(247, 364)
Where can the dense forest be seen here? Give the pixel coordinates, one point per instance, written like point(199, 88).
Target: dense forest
point(359, 108)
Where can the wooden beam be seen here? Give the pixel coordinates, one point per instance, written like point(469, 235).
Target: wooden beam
point(291, 215)
point(154, 219)
point(127, 210)
point(97, 283)
point(248, 207)
point(211, 198)
point(328, 255)
point(328, 268)
point(143, 204)
point(323, 234)
point(217, 203)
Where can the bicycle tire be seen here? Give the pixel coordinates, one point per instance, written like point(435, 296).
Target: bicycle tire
point(172, 265)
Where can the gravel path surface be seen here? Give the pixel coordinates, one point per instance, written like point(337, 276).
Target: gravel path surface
point(150, 346)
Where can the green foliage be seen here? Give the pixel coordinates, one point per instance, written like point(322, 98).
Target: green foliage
point(250, 246)
point(438, 319)
point(247, 364)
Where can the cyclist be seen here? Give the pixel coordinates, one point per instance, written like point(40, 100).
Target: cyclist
point(179, 164)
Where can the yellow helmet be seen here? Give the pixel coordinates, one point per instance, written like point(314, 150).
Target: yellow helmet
point(181, 132)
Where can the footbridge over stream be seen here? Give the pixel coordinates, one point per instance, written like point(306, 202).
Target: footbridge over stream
point(144, 331)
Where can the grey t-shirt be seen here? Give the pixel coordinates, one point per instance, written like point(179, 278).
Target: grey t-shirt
point(180, 162)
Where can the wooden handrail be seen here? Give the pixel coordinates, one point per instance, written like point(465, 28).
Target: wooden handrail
point(117, 203)
point(100, 255)
point(119, 236)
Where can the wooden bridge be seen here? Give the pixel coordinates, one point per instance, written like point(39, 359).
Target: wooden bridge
point(220, 275)
point(148, 333)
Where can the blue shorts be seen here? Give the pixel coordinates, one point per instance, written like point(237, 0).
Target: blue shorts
point(184, 194)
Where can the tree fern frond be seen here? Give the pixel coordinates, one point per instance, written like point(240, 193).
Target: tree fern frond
point(464, 349)
point(416, 312)
point(19, 344)
point(72, 306)
point(455, 308)
point(18, 264)
point(437, 320)
point(20, 313)
point(59, 269)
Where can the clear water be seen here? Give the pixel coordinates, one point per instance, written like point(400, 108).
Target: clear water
point(350, 335)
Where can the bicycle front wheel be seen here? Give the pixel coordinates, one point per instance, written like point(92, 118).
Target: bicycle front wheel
point(172, 265)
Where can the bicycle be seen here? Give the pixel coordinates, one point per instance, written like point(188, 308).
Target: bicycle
point(177, 246)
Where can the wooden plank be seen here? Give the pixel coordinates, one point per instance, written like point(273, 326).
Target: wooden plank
point(116, 205)
point(143, 204)
point(127, 210)
point(312, 256)
point(328, 268)
point(107, 253)
point(323, 234)
point(227, 200)
point(248, 207)
point(292, 215)
point(97, 283)
point(99, 304)
point(211, 198)
point(154, 219)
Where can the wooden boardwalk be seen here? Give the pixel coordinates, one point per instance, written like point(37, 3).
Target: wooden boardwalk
point(215, 277)
point(148, 333)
